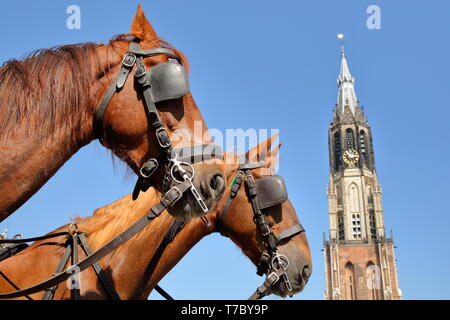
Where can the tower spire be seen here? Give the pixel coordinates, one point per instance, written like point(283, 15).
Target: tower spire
point(346, 84)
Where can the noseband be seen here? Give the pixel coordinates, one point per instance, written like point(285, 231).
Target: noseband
point(264, 193)
point(165, 81)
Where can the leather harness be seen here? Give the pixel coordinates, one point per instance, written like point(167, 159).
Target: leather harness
point(75, 237)
point(271, 262)
point(165, 81)
point(178, 170)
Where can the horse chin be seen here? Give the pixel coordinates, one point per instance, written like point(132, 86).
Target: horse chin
point(186, 209)
point(182, 210)
point(294, 272)
point(281, 290)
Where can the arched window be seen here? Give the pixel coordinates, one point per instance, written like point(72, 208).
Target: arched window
point(363, 148)
point(354, 198)
point(373, 281)
point(339, 195)
point(373, 225)
point(337, 150)
point(341, 226)
point(350, 139)
point(350, 281)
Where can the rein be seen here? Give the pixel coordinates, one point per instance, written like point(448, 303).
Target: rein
point(166, 201)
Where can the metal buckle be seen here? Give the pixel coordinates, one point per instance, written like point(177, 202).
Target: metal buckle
point(279, 261)
point(270, 281)
point(171, 197)
point(163, 144)
point(146, 166)
point(250, 177)
point(128, 63)
point(140, 71)
point(184, 174)
point(265, 230)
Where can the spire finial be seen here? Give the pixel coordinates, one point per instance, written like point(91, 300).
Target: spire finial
point(340, 36)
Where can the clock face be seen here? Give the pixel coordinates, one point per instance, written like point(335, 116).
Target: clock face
point(351, 157)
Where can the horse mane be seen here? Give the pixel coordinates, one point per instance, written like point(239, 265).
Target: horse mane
point(110, 220)
point(51, 86)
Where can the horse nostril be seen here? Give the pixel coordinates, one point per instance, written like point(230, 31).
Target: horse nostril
point(217, 183)
point(306, 273)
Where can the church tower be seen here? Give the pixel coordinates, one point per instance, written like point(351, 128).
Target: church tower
point(359, 258)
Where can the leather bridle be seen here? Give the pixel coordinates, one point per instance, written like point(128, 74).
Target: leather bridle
point(272, 263)
point(169, 83)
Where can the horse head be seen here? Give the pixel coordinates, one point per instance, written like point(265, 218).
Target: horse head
point(261, 220)
point(145, 113)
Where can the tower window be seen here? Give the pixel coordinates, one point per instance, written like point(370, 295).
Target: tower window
point(363, 148)
point(373, 226)
point(350, 139)
point(356, 222)
point(337, 150)
point(341, 226)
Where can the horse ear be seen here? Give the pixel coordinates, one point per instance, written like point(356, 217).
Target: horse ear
point(270, 162)
point(141, 28)
point(260, 152)
point(272, 158)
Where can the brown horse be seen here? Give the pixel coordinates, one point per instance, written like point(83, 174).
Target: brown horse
point(48, 106)
point(136, 267)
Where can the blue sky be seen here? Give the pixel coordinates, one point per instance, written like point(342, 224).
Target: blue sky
point(261, 64)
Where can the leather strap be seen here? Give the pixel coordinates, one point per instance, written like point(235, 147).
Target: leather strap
point(153, 52)
point(290, 232)
point(163, 293)
point(53, 235)
point(104, 280)
point(13, 284)
point(264, 289)
point(197, 153)
point(115, 86)
point(50, 291)
point(128, 63)
point(75, 289)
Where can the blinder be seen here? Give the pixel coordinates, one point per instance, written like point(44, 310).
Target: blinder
point(167, 81)
point(271, 191)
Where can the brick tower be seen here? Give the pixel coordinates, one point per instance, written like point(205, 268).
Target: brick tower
point(359, 258)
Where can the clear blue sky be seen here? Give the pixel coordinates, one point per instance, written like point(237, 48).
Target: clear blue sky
point(266, 64)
